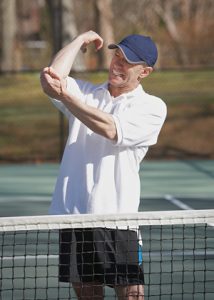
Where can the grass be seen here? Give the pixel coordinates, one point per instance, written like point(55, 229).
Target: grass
point(30, 124)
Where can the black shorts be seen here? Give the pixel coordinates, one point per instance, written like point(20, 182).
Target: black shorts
point(107, 256)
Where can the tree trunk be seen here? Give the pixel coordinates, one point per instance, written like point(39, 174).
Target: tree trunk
point(165, 12)
point(8, 17)
point(69, 31)
point(64, 27)
point(104, 26)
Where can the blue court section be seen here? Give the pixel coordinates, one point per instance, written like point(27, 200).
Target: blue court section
point(165, 185)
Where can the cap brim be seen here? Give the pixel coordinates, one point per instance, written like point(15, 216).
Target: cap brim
point(129, 55)
point(112, 46)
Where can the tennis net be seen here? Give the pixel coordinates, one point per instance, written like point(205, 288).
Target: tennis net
point(178, 254)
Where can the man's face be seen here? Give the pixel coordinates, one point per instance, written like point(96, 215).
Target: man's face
point(122, 74)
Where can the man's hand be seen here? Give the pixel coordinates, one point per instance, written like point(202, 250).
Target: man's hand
point(53, 85)
point(53, 78)
point(91, 37)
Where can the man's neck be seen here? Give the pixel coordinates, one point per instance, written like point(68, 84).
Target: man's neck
point(117, 91)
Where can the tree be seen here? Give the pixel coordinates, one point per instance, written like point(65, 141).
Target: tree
point(64, 26)
point(8, 34)
point(185, 21)
point(104, 26)
point(69, 30)
point(166, 11)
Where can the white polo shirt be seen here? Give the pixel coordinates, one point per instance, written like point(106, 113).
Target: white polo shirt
point(97, 175)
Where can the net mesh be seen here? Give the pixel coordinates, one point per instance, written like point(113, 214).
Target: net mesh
point(178, 254)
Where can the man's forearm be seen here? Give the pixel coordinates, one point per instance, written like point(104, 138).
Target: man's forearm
point(54, 85)
point(98, 121)
point(64, 59)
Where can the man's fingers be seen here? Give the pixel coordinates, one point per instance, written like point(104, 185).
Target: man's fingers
point(92, 37)
point(50, 73)
point(45, 70)
point(53, 74)
point(98, 43)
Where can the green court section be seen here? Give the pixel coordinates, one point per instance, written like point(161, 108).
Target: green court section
point(180, 178)
point(190, 181)
point(26, 189)
point(165, 185)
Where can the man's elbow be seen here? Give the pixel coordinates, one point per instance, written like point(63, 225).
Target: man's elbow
point(42, 80)
point(111, 134)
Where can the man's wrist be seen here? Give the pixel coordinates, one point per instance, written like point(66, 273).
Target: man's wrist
point(80, 39)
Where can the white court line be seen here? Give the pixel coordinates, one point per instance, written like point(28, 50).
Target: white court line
point(145, 254)
point(24, 198)
point(178, 202)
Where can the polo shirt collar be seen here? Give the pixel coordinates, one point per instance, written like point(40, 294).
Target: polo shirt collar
point(103, 86)
point(136, 92)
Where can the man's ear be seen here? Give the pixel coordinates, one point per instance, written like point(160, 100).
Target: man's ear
point(145, 72)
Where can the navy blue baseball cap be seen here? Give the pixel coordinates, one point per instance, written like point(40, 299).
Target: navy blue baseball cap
point(138, 49)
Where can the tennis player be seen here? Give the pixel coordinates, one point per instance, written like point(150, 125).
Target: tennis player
point(111, 126)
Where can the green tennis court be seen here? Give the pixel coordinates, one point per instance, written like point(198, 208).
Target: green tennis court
point(166, 186)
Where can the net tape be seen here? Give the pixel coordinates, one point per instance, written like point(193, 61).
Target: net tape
point(107, 220)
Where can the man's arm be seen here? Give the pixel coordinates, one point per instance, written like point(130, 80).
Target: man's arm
point(53, 81)
point(64, 59)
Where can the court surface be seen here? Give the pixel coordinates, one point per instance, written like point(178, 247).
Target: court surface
point(165, 185)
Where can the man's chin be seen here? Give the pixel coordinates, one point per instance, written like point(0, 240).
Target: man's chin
point(116, 82)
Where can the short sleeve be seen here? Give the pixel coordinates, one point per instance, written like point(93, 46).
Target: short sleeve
point(140, 124)
point(60, 106)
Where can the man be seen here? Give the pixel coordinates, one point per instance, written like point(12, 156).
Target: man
point(111, 127)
